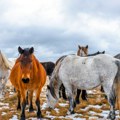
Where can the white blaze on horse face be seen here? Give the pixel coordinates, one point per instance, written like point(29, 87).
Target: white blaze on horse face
point(51, 101)
point(82, 53)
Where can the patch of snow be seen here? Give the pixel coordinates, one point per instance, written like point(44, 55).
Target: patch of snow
point(92, 112)
point(14, 117)
point(4, 107)
point(3, 113)
point(1, 96)
point(95, 106)
point(104, 113)
point(45, 105)
point(95, 118)
point(37, 119)
point(62, 104)
point(4, 104)
point(57, 110)
point(72, 116)
point(11, 93)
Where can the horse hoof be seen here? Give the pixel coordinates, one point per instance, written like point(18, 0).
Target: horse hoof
point(74, 104)
point(77, 102)
point(22, 118)
point(39, 117)
point(64, 97)
point(84, 98)
point(18, 107)
point(70, 112)
point(31, 109)
point(111, 116)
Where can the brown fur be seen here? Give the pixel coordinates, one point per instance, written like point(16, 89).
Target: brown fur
point(118, 94)
point(84, 49)
point(36, 74)
point(117, 87)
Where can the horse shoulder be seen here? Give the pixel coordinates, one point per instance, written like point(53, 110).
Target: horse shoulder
point(43, 74)
point(41, 71)
point(15, 75)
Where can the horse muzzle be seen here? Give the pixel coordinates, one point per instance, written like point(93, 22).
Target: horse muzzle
point(25, 80)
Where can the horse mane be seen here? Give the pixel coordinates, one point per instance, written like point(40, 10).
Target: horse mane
point(8, 64)
point(97, 53)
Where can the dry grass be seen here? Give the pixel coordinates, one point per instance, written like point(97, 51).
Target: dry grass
point(82, 112)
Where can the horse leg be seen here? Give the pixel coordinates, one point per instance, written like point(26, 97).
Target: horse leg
point(23, 104)
point(18, 106)
point(39, 115)
point(72, 104)
point(31, 105)
point(112, 99)
point(77, 96)
point(102, 90)
point(60, 91)
point(63, 92)
point(84, 95)
point(70, 98)
point(3, 84)
point(1, 88)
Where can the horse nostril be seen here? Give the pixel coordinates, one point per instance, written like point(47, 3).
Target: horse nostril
point(25, 80)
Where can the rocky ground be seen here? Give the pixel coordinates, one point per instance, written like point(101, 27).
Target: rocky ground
point(95, 108)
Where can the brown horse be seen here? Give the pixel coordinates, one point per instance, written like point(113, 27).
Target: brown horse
point(83, 52)
point(28, 75)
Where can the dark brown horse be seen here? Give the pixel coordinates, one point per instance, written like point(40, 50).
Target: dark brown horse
point(28, 75)
point(49, 67)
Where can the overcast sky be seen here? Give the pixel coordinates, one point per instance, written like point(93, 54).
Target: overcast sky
point(56, 27)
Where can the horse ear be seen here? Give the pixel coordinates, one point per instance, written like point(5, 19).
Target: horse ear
point(48, 87)
point(20, 50)
point(79, 46)
point(86, 46)
point(31, 50)
point(103, 52)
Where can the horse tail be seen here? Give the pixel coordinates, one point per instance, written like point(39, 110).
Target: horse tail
point(117, 86)
point(54, 80)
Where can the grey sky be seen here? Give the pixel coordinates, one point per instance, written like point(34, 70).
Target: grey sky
point(56, 27)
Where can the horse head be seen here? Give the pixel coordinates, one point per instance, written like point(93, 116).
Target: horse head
point(26, 63)
point(51, 99)
point(82, 51)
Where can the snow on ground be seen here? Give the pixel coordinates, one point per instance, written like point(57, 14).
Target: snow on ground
point(91, 115)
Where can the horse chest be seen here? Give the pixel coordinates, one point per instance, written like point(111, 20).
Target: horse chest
point(30, 86)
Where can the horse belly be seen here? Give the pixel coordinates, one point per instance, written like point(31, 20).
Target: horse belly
point(86, 84)
point(81, 80)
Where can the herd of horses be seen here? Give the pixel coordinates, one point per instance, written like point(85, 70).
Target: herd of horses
point(72, 74)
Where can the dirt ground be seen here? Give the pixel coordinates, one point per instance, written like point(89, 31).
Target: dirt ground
point(95, 108)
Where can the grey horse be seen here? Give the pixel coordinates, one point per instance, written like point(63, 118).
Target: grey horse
point(86, 73)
